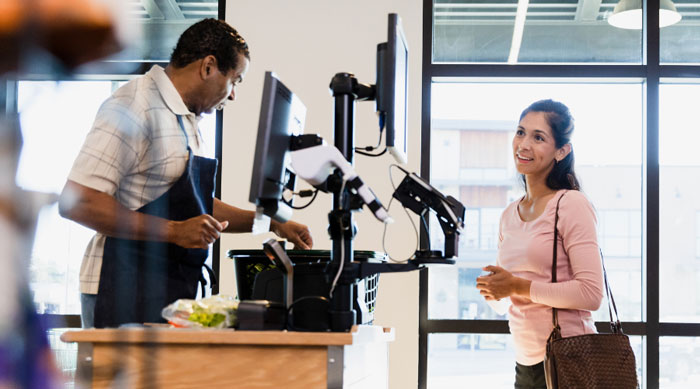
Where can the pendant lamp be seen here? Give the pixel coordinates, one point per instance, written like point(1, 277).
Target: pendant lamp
point(628, 14)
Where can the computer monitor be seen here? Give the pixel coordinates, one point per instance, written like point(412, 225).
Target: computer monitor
point(392, 88)
point(282, 115)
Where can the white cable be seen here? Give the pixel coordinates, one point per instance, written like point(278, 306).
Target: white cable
point(342, 243)
point(392, 259)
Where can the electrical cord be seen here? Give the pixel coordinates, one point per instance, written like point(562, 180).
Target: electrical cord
point(415, 229)
point(370, 154)
point(372, 148)
point(365, 150)
point(303, 193)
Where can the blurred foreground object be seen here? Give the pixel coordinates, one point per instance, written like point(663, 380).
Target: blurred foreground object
point(25, 358)
point(73, 31)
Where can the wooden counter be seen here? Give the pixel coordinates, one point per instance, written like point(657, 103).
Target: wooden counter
point(184, 358)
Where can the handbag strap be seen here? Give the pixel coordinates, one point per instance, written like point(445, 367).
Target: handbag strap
point(615, 324)
point(555, 321)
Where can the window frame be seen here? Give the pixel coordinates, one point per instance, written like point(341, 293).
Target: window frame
point(651, 72)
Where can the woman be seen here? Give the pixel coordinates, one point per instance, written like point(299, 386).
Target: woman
point(544, 157)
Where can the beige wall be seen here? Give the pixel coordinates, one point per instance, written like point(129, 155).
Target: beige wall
point(306, 43)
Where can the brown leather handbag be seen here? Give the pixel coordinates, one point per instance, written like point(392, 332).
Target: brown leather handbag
point(593, 360)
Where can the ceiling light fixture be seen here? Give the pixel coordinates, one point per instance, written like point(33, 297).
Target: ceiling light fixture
point(628, 14)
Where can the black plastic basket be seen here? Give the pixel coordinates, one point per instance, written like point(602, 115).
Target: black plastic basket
point(258, 278)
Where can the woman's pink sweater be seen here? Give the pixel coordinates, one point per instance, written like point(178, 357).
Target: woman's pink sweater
point(525, 250)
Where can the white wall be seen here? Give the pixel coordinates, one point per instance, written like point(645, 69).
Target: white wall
point(306, 43)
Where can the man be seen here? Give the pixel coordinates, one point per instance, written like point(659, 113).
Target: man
point(142, 183)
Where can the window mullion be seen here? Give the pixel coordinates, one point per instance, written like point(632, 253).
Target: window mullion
point(651, 43)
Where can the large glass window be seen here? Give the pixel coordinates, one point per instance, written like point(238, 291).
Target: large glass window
point(679, 362)
point(679, 42)
point(535, 31)
point(635, 155)
point(156, 25)
point(486, 361)
point(55, 118)
point(697, 234)
point(680, 201)
point(470, 360)
point(472, 128)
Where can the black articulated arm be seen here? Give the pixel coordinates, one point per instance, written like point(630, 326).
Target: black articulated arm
point(420, 197)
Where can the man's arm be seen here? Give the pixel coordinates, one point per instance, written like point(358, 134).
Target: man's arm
point(240, 220)
point(104, 214)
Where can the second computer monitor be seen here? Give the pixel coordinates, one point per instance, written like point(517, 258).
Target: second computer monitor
point(282, 114)
point(392, 88)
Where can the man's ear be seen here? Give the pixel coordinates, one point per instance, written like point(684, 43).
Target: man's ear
point(207, 66)
point(563, 152)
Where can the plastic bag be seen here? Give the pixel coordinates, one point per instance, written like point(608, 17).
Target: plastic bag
point(212, 312)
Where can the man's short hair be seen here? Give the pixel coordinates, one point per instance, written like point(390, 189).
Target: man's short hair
point(210, 37)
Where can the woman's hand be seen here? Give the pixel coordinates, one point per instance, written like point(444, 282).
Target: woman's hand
point(501, 284)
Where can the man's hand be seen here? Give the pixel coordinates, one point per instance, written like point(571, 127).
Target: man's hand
point(242, 221)
point(296, 233)
point(500, 284)
point(195, 233)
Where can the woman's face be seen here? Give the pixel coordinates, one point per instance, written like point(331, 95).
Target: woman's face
point(534, 149)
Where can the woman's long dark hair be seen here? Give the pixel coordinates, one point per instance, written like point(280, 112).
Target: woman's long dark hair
point(561, 122)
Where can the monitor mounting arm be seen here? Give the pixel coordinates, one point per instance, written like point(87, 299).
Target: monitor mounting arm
point(314, 161)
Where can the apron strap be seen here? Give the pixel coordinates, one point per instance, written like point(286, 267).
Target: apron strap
point(187, 138)
point(203, 281)
point(182, 127)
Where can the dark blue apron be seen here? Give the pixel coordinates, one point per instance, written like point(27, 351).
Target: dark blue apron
point(139, 278)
